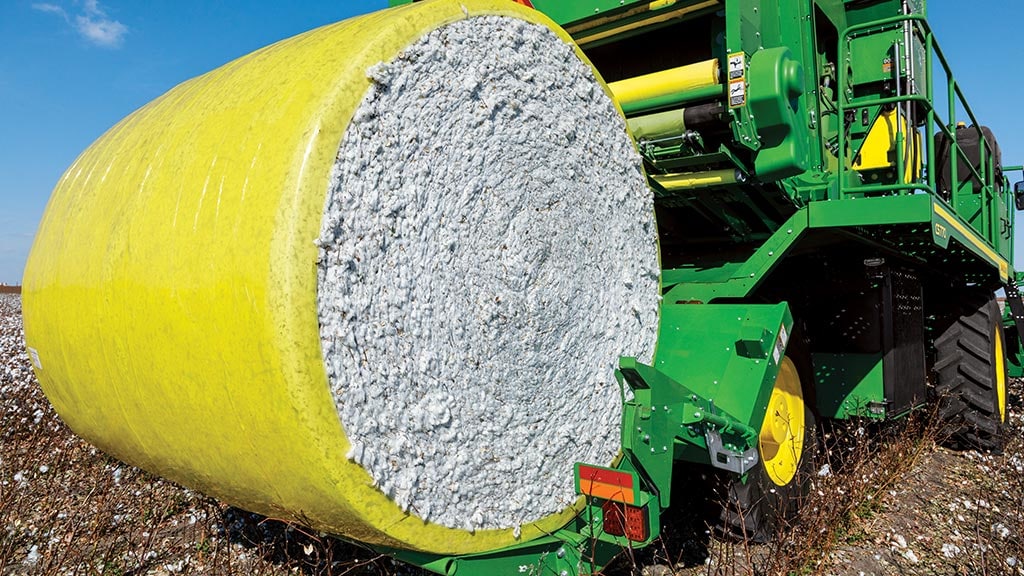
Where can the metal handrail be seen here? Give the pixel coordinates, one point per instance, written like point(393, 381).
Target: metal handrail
point(933, 122)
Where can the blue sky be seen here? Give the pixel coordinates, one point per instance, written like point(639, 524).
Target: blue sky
point(70, 69)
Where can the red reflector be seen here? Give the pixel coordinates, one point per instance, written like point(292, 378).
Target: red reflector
point(625, 520)
point(606, 483)
point(526, 3)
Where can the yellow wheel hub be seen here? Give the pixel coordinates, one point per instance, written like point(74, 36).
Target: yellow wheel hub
point(999, 354)
point(781, 440)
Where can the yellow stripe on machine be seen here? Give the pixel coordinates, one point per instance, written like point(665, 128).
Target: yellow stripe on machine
point(975, 240)
point(666, 82)
point(170, 295)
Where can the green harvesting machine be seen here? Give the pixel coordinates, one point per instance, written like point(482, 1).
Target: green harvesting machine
point(834, 223)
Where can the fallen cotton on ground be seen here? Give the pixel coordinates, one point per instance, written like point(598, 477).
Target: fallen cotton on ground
point(66, 508)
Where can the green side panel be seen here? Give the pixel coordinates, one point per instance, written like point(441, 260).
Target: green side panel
point(946, 224)
point(727, 354)
point(849, 385)
point(713, 374)
point(873, 57)
point(871, 211)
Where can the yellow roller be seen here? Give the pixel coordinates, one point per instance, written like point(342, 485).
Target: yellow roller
point(665, 83)
point(170, 295)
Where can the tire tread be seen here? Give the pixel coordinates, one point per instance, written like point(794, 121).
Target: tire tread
point(965, 376)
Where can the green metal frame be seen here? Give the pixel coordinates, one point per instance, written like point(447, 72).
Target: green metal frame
point(982, 213)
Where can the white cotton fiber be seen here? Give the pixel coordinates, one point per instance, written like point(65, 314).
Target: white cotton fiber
point(488, 252)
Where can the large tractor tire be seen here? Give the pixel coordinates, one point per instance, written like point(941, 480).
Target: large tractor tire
point(756, 507)
point(970, 376)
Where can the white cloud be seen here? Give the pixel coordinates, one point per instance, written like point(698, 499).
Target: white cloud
point(101, 31)
point(52, 8)
point(91, 22)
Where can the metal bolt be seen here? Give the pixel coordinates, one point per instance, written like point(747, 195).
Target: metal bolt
point(560, 553)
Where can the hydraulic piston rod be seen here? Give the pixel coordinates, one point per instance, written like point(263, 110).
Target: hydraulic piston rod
point(673, 123)
point(691, 180)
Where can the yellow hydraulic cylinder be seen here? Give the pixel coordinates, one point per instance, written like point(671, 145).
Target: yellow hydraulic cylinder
point(691, 180)
point(170, 295)
point(658, 85)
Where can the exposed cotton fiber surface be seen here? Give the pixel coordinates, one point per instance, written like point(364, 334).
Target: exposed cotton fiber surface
point(487, 253)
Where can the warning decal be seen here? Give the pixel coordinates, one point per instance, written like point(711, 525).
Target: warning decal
point(737, 93)
point(780, 343)
point(737, 65)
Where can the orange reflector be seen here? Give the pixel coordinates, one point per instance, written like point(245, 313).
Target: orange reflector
point(625, 520)
point(607, 484)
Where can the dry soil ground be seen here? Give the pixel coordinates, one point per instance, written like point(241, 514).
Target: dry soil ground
point(884, 502)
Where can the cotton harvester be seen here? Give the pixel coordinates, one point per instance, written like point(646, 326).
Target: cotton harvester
point(832, 223)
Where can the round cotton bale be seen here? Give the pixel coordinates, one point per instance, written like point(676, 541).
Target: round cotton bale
point(374, 278)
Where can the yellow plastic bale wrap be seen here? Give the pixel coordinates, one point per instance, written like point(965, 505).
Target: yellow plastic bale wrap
point(170, 296)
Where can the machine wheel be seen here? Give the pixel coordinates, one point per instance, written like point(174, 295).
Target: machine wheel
point(970, 371)
point(771, 496)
